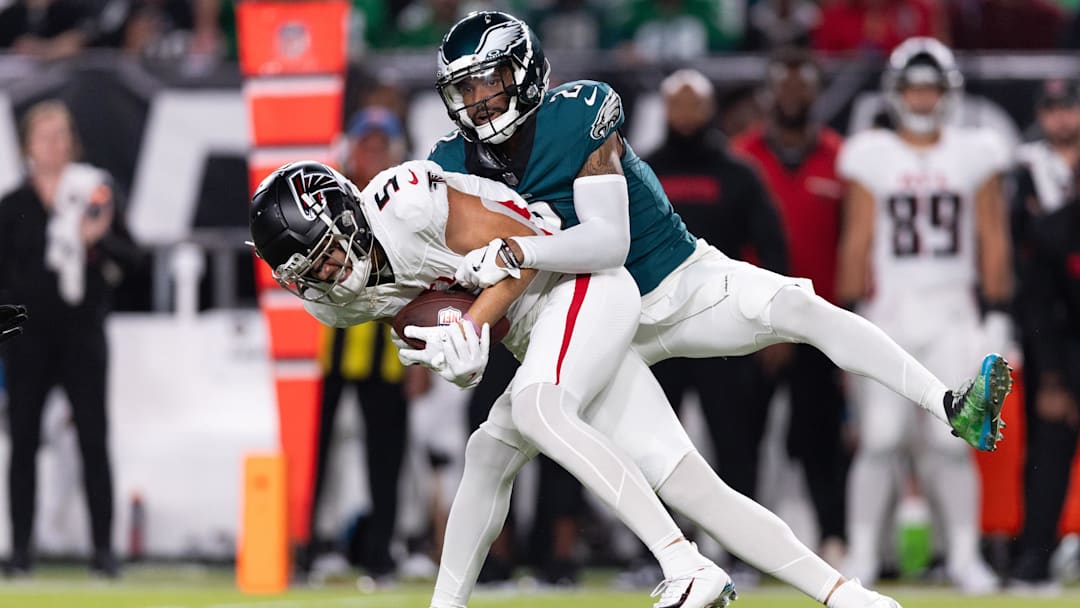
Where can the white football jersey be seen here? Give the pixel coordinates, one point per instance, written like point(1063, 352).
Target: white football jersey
point(924, 231)
point(406, 208)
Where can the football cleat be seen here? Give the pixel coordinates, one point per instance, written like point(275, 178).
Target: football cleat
point(975, 579)
point(852, 593)
point(708, 587)
point(974, 410)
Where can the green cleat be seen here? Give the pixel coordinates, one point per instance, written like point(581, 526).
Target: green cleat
point(974, 410)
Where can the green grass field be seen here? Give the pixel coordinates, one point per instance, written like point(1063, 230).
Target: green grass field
point(201, 588)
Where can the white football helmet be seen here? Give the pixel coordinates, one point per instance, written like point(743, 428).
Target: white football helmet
point(920, 61)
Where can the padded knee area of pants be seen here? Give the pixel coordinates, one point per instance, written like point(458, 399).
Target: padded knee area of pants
point(543, 413)
point(489, 459)
point(793, 310)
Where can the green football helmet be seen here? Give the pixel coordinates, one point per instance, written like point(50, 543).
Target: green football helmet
point(480, 46)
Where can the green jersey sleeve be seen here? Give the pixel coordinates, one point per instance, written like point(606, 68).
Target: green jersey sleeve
point(585, 112)
point(449, 152)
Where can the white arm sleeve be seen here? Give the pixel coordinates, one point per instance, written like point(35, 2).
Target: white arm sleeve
point(599, 242)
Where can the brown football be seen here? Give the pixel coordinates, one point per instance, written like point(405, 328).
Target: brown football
point(440, 308)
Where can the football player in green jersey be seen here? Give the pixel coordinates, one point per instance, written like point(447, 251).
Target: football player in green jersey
point(562, 151)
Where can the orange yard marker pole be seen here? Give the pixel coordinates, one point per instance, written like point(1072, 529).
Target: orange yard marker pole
point(262, 557)
point(293, 57)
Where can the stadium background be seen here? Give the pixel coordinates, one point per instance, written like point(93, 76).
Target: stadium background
point(193, 389)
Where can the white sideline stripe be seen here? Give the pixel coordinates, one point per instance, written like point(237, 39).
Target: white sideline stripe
point(279, 155)
point(280, 299)
point(284, 86)
point(297, 369)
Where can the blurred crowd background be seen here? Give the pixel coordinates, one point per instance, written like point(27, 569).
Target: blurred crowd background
point(645, 30)
point(155, 98)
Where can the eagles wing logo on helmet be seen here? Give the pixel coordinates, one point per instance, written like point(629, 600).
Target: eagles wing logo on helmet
point(307, 189)
point(498, 40)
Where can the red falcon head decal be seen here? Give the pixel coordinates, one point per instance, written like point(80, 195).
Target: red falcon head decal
point(307, 189)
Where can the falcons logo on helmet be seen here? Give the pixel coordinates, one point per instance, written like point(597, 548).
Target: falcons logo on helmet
point(307, 190)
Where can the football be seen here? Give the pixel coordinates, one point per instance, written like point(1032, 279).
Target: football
point(440, 308)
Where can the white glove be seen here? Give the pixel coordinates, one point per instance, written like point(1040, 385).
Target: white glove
point(997, 332)
point(401, 345)
point(455, 351)
point(481, 269)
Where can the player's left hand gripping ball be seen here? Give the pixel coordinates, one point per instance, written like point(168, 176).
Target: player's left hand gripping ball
point(456, 352)
point(11, 320)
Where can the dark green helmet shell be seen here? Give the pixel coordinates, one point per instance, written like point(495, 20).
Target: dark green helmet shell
point(483, 40)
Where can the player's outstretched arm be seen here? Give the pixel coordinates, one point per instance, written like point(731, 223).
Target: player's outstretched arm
point(602, 203)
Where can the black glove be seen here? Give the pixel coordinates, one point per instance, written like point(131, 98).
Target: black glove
point(11, 320)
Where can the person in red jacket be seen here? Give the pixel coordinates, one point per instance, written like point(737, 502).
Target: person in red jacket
point(796, 159)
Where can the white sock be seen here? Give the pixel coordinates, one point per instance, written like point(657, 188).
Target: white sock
point(856, 345)
point(476, 516)
point(851, 595)
point(680, 558)
point(745, 528)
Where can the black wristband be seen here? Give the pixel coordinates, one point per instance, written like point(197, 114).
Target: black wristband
point(506, 254)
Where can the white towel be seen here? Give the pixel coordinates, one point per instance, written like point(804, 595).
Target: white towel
point(1051, 174)
point(64, 250)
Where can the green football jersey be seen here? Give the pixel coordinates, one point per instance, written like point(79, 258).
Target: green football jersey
point(571, 123)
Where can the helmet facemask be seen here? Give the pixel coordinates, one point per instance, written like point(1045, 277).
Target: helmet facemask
point(347, 243)
point(922, 122)
point(922, 62)
point(504, 77)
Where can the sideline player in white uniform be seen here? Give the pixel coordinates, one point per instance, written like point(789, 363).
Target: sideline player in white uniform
point(410, 253)
point(926, 219)
point(361, 256)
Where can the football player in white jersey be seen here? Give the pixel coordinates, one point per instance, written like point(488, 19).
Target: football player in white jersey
point(365, 259)
point(361, 256)
point(926, 228)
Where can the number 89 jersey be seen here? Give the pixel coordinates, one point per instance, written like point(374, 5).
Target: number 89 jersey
point(924, 227)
